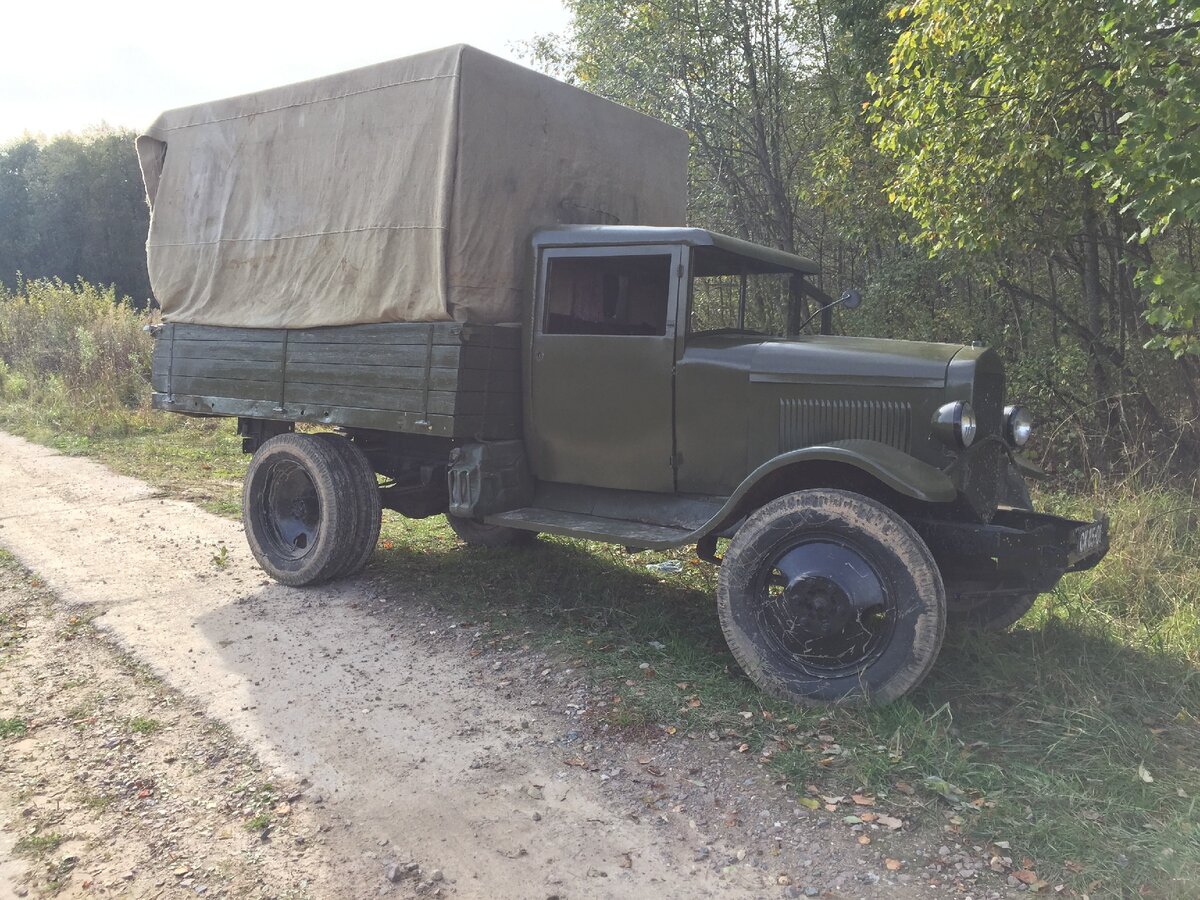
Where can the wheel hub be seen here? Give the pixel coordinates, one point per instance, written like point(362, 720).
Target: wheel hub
point(291, 509)
point(825, 603)
point(817, 605)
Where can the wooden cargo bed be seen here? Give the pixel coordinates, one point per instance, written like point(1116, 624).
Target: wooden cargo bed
point(448, 378)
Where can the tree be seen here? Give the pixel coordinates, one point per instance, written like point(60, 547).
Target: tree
point(74, 206)
point(1022, 133)
point(16, 206)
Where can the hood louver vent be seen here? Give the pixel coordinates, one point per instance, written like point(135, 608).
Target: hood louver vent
point(803, 423)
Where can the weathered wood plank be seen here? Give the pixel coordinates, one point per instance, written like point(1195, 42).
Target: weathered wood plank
point(349, 417)
point(405, 355)
point(184, 332)
point(397, 333)
point(404, 377)
point(357, 376)
point(247, 370)
point(440, 402)
point(358, 355)
point(444, 334)
point(225, 387)
point(234, 350)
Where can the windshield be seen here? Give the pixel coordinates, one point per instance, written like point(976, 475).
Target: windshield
point(716, 302)
point(734, 293)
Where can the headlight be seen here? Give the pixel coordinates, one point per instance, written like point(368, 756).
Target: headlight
point(955, 424)
point(1018, 425)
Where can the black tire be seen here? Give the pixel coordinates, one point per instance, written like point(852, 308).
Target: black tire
point(299, 510)
point(366, 502)
point(859, 619)
point(995, 612)
point(479, 534)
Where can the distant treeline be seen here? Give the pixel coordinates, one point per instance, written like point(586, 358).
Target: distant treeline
point(74, 206)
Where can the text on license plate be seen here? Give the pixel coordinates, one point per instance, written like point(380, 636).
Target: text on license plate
point(1088, 538)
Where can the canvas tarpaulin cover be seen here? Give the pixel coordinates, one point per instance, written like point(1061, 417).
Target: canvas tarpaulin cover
point(402, 192)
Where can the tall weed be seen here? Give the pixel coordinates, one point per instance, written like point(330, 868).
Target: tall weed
point(74, 357)
point(1147, 590)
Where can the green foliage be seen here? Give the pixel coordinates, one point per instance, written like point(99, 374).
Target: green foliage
point(142, 725)
point(74, 207)
point(258, 822)
point(1008, 122)
point(86, 336)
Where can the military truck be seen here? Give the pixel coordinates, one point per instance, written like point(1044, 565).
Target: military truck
point(479, 280)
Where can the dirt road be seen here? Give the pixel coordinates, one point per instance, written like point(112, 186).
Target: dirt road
point(364, 695)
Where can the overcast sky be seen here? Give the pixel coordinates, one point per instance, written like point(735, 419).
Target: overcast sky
point(66, 65)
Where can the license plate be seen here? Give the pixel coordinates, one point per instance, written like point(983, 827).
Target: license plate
point(1089, 538)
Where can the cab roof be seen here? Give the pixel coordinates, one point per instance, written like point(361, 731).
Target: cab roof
point(761, 259)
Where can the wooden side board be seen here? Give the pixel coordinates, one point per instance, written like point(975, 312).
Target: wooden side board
point(449, 379)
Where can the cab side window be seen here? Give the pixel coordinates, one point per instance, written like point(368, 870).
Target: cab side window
point(618, 295)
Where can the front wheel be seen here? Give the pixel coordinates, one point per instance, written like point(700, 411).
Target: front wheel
point(830, 597)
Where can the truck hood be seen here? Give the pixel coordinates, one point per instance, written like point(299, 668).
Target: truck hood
point(820, 359)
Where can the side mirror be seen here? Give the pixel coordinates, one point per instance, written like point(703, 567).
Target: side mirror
point(850, 299)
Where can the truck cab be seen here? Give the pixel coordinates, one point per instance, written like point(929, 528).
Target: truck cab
point(660, 359)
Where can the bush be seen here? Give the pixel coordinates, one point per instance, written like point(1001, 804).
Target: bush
point(74, 354)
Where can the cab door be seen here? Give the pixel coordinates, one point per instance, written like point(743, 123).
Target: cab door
point(602, 368)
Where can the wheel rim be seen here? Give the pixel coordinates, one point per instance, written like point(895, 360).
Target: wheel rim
point(291, 510)
point(825, 608)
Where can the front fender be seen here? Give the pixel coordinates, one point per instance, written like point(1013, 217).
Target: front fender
point(895, 468)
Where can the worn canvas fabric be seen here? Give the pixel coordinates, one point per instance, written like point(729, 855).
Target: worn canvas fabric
point(403, 192)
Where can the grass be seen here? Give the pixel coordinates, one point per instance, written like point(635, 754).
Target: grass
point(13, 728)
point(258, 822)
point(40, 843)
point(1075, 738)
point(140, 725)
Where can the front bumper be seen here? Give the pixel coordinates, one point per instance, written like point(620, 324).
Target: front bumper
point(1017, 549)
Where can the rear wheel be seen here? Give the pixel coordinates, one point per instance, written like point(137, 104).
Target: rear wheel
point(365, 502)
point(829, 597)
point(480, 534)
point(298, 508)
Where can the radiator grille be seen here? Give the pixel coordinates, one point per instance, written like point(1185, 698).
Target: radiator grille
point(803, 423)
point(988, 400)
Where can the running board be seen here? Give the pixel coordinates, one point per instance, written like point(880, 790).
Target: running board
point(592, 528)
